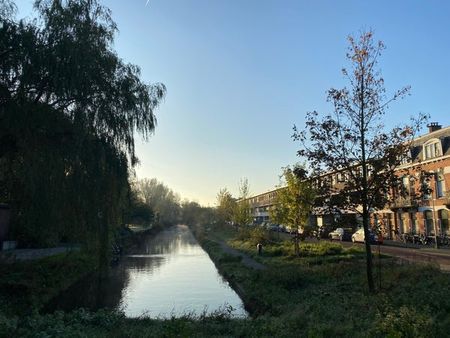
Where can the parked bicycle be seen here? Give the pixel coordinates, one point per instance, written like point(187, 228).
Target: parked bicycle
point(444, 240)
point(425, 240)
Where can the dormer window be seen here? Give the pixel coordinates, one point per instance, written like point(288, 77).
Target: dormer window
point(406, 157)
point(432, 149)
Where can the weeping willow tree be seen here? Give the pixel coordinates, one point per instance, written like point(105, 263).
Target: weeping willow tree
point(70, 108)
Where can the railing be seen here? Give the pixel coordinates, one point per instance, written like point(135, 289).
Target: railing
point(403, 202)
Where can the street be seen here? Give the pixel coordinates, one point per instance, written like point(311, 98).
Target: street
point(422, 255)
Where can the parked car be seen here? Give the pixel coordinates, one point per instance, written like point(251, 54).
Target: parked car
point(274, 227)
point(358, 236)
point(340, 234)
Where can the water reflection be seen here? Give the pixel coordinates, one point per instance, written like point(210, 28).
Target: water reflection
point(166, 275)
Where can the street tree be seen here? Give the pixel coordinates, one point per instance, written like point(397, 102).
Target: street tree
point(294, 202)
point(242, 214)
point(353, 142)
point(226, 205)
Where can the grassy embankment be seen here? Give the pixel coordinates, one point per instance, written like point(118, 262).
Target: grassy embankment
point(322, 293)
point(26, 286)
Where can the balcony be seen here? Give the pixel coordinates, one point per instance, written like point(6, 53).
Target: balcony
point(403, 202)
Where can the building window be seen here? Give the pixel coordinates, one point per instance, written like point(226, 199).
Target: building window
point(405, 181)
point(406, 158)
point(443, 217)
point(429, 228)
point(412, 217)
point(440, 185)
point(432, 149)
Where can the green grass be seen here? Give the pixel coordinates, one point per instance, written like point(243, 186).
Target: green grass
point(27, 286)
point(324, 291)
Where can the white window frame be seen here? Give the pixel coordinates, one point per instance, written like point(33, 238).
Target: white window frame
point(432, 149)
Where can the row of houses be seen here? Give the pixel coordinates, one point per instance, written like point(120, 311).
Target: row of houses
point(406, 213)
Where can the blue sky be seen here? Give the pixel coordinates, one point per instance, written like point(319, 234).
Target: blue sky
point(240, 74)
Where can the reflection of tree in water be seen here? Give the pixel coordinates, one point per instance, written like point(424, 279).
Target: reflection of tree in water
point(93, 292)
point(144, 263)
point(96, 291)
point(174, 240)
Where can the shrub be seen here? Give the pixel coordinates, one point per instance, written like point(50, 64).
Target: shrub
point(255, 235)
point(320, 249)
point(405, 322)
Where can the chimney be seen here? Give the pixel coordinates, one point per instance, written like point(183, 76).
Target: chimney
point(433, 126)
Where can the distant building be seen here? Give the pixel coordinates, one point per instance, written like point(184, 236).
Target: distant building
point(260, 205)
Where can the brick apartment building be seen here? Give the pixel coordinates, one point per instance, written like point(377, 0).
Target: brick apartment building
point(415, 213)
point(419, 212)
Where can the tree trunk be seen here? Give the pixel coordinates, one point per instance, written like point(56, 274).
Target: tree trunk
point(364, 196)
point(368, 250)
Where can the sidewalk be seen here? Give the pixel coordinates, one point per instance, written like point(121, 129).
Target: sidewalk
point(11, 256)
point(400, 244)
point(246, 260)
point(445, 250)
point(441, 252)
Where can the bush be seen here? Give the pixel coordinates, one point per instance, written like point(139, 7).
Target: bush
point(405, 322)
point(255, 235)
point(320, 249)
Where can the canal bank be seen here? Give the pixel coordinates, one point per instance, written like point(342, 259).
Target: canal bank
point(165, 275)
point(323, 292)
point(220, 253)
point(30, 278)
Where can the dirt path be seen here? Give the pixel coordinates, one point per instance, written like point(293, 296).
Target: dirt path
point(246, 260)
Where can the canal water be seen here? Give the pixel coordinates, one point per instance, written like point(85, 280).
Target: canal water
point(167, 275)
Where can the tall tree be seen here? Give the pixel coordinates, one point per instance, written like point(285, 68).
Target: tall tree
point(242, 213)
point(193, 214)
point(138, 212)
point(162, 200)
point(70, 109)
point(294, 202)
point(226, 204)
point(352, 141)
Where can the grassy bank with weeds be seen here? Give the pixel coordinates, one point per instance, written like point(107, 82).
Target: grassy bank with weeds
point(28, 285)
point(324, 291)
